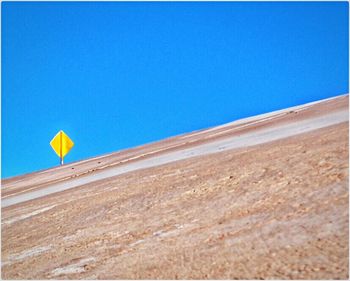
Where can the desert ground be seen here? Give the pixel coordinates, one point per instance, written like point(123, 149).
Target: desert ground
point(265, 197)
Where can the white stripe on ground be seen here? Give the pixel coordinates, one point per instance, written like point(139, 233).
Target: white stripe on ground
point(25, 254)
point(25, 216)
point(296, 108)
point(244, 140)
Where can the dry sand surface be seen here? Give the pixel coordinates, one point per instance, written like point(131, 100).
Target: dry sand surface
point(278, 209)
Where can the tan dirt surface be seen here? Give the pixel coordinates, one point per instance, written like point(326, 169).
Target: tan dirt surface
point(278, 210)
point(37, 180)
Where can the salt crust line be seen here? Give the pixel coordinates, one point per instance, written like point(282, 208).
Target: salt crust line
point(259, 136)
point(15, 219)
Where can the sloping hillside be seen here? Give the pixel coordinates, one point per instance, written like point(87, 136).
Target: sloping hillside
point(259, 198)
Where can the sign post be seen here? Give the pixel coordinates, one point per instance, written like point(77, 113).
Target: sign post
point(61, 144)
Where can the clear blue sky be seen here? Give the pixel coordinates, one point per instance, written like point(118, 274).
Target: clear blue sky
point(116, 75)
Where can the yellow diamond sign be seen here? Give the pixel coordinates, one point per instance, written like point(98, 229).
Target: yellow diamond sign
point(61, 144)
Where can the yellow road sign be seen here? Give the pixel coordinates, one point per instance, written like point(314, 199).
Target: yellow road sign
point(61, 144)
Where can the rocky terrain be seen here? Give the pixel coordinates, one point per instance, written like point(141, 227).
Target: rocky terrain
point(271, 209)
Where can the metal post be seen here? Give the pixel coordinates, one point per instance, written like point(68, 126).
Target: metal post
point(61, 157)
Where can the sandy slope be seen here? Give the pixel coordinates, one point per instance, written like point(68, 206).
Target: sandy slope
point(30, 188)
point(276, 208)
